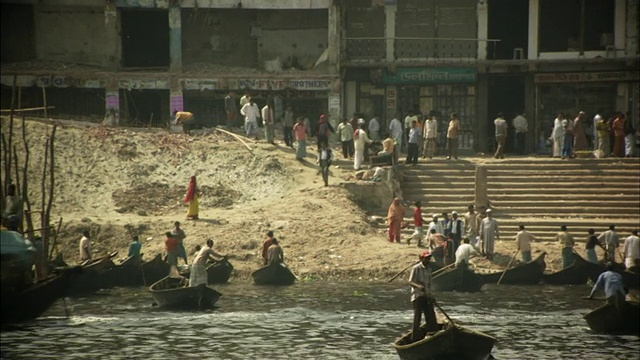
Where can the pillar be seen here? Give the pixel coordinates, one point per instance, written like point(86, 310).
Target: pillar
point(334, 38)
point(175, 39)
point(534, 13)
point(390, 31)
point(483, 29)
point(481, 197)
point(481, 130)
point(530, 113)
point(112, 37)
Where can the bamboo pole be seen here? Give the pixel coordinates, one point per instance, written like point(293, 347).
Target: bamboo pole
point(27, 109)
point(25, 192)
point(44, 100)
point(237, 138)
point(508, 266)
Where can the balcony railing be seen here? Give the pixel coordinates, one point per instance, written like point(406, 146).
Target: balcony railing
point(410, 50)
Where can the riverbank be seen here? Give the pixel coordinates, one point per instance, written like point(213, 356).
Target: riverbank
point(116, 182)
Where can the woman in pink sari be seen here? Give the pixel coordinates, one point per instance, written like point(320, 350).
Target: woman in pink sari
point(394, 217)
point(192, 200)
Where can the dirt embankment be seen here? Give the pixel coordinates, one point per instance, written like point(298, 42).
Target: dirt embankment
point(117, 182)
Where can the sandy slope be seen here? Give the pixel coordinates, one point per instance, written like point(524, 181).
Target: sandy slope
point(108, 180)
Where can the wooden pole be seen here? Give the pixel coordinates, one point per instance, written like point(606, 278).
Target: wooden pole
point(403, 270)
point(44, 100)
point(27, 109)
point(237, 138)
point(444, 313)
point(55, 239)
point(508, 266)
point(25, 192)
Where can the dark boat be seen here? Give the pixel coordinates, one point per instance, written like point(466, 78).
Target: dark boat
point(124, 273)
point(154, 270)
point(459, 278)
point(606, 319)
point(572, 275)
point(174, 292)
point(275, 274)
point(36, 299)
point(524, 274)
point(92, 276)
point(450, 342)
point(218, 272)
point(630, 279)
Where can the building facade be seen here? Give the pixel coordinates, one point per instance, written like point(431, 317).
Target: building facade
point(142, 60)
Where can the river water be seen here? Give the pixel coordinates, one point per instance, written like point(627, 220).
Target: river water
point(310, 320)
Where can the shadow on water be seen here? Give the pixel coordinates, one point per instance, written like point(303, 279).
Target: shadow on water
point(314, 320)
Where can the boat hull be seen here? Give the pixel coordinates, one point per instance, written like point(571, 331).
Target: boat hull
point(277, 274)
point(451, 342)
point(173, 293)
point(630, 279)
point(217, 273)
point(569, 276)
point(606, 319)
point(525, 274)
point(457, 279)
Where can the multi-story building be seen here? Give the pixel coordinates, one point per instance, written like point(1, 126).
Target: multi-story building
point(144, 59)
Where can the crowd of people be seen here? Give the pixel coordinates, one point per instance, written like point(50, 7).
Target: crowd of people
point(446, 233)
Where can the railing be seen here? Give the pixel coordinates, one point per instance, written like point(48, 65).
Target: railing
point(415, 49)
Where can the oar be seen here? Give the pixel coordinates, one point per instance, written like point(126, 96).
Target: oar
point(403, 270)
point(508, 266)
point(448, 266)
point(444, 313)
point(588, 298)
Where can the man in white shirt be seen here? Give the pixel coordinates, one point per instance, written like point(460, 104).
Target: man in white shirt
point(596, 118)
point(436, 225)
point(360, 140)
point(251, 114)
point(199, 273)
point(411, 117)
point(464, 252)
point(374, 129)
point(611, 241)
point(395, 131)
point(523, 241)
point(430, 136)
point(470, 229)
point(501, 135)
point(632, 250)
point(269, 121)
point(521, 126)
point(85, 246)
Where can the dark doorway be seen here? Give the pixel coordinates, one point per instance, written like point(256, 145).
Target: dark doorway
point(17, 40)
point(145, 38)
point(207, 108)
point(144, 108)
point(506, 95)
point(508, 21)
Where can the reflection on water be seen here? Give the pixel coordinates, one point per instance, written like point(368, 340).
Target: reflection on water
point(311, 321)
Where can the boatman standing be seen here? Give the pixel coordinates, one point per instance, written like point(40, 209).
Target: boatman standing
point(613, 286)
point(421, 297)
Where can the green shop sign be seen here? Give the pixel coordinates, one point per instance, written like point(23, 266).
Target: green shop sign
point(431, 76)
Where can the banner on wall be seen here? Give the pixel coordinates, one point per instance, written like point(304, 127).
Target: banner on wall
point(430, 76)
point(586, 77)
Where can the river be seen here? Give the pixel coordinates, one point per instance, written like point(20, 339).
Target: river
point(310, 320)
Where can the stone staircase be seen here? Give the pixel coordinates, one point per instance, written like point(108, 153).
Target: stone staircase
point(541, 193)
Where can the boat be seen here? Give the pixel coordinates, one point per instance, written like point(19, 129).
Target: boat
point(31, 302)
point(174, 292)
point(16, 261)
point(458, 278)
point(274, 274)
point(592, 270)
point(606, 319)
point(126, 272)
point(571, 275)
point(92, 277)
point(523, 274)
point(449, 342)
point(218, 272)
point(154, 270)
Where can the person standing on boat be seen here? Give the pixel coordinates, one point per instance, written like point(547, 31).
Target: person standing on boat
point(199, 273)
point(265, 246)
point(85, 246)
point(179, 234)
point(590, 247)
point(613, 286)
point(421, 297)
point(611, 241)
point(275, 255)
point(567, 242)
point(464, 252)
point(171, 247)
point(632, 251)
point(488, 234)
point(523, 241)
point(135, 247)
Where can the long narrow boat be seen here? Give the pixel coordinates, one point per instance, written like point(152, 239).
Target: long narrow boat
point(630, 279)
point(459, 278)
point(524, 274)
point(275, 274)
point(174, 292)
point(572, 275)
point(218, 272)
point(36, 299)
point(450, 342)
point(154, 270)
point(91, 279)
point(607, 319)
point(125, 273)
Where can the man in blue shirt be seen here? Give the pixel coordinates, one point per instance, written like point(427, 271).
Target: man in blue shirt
point(135, 247)
point(613, 286)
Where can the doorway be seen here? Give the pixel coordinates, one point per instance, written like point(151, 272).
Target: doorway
point(144, 108)
point(508, 21)
point(506, 96)
point(145, 38)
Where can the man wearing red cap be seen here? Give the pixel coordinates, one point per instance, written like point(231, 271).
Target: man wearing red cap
point(421, 298)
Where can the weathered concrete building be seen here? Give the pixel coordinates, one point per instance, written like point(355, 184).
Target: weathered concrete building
point(142, 59)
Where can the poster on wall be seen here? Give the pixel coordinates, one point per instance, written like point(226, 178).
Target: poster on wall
point(334, 107)
point(177, 103)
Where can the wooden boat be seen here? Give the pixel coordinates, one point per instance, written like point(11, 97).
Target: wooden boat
point(154, 270)
point(92, 277)
point(174, 292)
point(607, 319)
point(524, 274)
point(36, 299)
point(218, 272)
point(275, 274)
point(124, 273)
point(450, 342)
point(572, 275)
point(459, 278)
point(630, 279)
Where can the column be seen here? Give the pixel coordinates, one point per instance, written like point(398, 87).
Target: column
point(112, 103)
point(482, 98)
point(483, 30)
point(481, 196)
point(620, 26)
point(534, 13)
point(175, 39)
point(112, 37)
point(334, 38)
point(530, 111)
point(390, 31)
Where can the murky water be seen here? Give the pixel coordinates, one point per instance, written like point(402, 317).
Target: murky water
point(314, 320)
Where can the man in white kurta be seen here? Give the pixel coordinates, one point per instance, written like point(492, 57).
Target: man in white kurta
point(374, 129)
point(360, 139)
point(488, 234)
point(632, 250)
point(395, 131)
point(251, 114)
point(464, 252)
